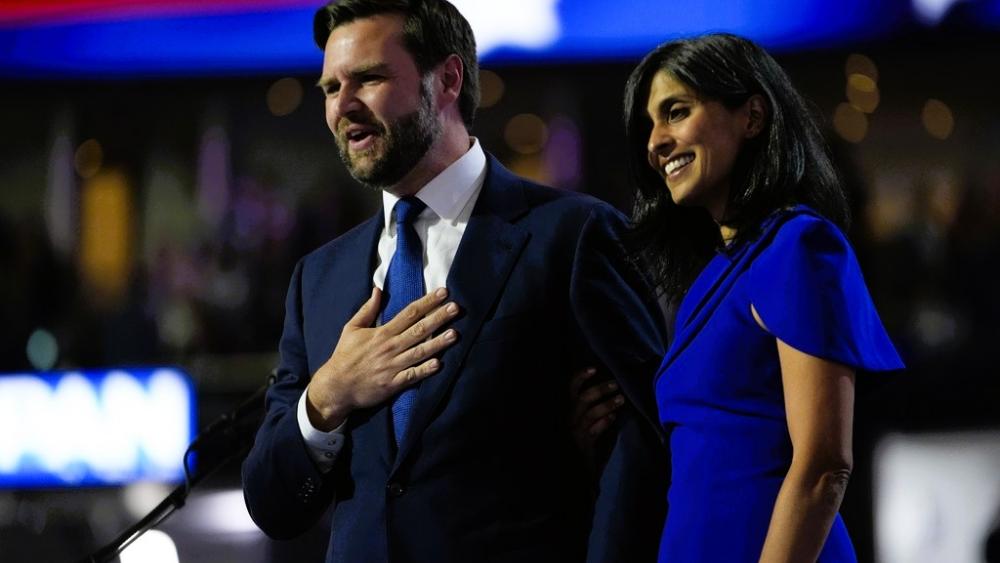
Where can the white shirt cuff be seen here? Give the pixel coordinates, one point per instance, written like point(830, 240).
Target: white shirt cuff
point(323, 446)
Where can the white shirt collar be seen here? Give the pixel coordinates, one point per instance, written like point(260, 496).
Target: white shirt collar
point(448, 192)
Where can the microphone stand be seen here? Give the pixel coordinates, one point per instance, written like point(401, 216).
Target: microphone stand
point(232, 433)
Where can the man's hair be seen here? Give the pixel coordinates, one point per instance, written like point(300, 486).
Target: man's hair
point(432, 30)
point(787, 163)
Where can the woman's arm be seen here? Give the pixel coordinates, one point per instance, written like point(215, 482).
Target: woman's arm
point(819, 406)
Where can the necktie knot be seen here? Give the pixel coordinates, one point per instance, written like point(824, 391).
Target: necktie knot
point(407, 209)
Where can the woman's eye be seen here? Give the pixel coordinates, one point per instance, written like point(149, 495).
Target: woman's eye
point(677, 113)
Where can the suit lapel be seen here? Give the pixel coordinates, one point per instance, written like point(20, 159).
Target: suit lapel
point(485, 257)
point(347, 285)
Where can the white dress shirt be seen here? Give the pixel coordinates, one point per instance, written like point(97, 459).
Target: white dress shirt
point(450, 198)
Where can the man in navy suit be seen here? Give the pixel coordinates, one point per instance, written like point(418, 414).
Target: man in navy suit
point(441, 433)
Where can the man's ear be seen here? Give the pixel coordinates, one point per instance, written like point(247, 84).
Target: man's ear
point(450, 77)
point(757, 113)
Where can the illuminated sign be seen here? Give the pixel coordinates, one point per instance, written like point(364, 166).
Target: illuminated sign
point(94, 427)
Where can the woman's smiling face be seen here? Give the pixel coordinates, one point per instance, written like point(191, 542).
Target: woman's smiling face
point(694, 142)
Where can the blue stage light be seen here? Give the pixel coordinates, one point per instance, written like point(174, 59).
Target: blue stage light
point(250, 40)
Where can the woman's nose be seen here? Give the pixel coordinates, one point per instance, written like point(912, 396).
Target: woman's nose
point(660, 141)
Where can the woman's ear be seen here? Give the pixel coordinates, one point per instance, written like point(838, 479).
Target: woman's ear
point(757, 113)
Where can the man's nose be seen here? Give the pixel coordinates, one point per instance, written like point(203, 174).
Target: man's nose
point(345, 103)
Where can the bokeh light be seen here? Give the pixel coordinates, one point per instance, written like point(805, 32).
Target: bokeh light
point(491, 88)
point(42, 350)
point(862, 92)
point(850, 123)
point(530, 166)
point(88, 158)
point(938, 119)
point(152, 547)
point(284, 96)
point(106, 215)
point(860, 64)
point(526, 133)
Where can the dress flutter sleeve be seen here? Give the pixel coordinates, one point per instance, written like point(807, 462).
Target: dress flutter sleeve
point(808, 290)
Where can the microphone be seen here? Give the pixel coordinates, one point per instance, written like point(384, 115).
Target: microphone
point(229, 436)
point(232, 433)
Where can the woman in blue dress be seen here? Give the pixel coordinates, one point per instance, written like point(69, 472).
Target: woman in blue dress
point(739, 217)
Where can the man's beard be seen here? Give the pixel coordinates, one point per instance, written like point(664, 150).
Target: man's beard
point(404, 142)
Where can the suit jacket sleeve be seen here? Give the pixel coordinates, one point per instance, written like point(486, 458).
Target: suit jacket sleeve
point(621, 322)
point(285, 492)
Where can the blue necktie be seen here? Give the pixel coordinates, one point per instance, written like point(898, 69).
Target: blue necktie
point(404, 284)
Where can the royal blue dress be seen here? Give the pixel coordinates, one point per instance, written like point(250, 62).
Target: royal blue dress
point(719, 389)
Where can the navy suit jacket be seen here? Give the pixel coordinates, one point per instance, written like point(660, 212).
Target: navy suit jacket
point(488, 470)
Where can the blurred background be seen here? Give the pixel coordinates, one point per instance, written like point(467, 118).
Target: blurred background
point(163, 165)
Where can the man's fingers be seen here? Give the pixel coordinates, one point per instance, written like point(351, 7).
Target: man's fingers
point(415, 311)
point(425, 349)
point(414, 374)
point(365, 316)
point(427, 326)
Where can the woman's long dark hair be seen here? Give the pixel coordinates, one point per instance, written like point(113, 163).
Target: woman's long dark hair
point(787, 163)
